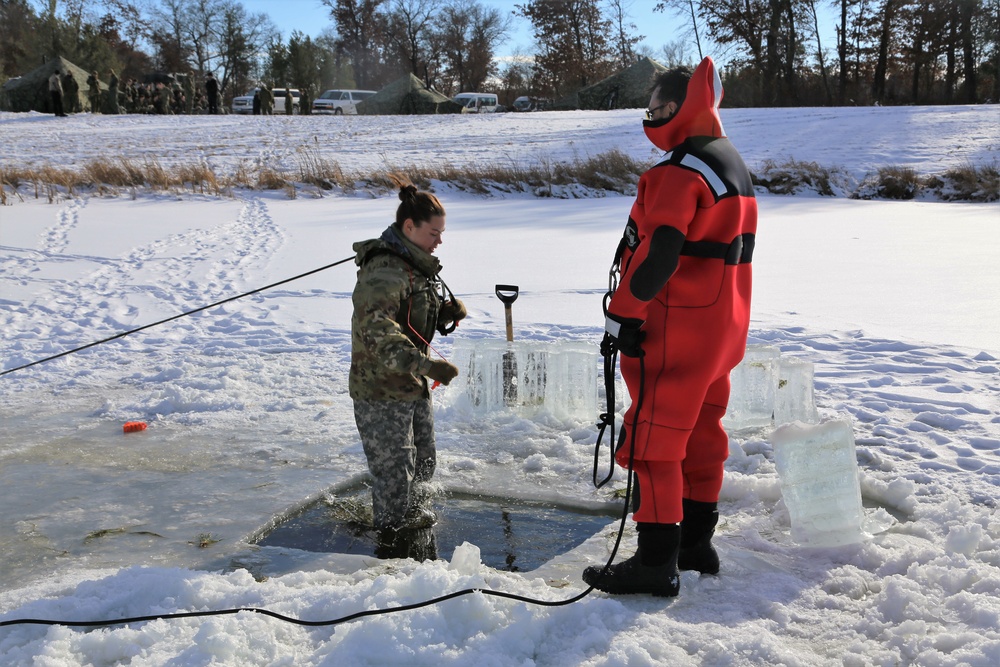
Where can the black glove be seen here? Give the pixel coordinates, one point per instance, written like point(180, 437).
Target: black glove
point(442, 371)
point(623, 336)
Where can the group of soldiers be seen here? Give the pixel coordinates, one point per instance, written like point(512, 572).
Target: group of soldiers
point(263, 100)
point(171, 97)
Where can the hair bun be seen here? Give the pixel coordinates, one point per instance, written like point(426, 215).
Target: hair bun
point(408, 191)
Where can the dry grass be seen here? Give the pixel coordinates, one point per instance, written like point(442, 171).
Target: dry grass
point(793, 176)
point(612, 171)
point(967, 183)
point(901, 183)
point(322, 173)
point(113, 173)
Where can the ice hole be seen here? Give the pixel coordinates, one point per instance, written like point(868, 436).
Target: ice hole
point(515, 535)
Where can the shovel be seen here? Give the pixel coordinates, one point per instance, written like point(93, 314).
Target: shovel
point(508, 295)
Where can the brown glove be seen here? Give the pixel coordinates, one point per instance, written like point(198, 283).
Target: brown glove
point(442, 371)
point(452, 311)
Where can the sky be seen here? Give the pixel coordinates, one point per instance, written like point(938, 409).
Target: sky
point(658, 28)
point(311, 17)
point(249, 419)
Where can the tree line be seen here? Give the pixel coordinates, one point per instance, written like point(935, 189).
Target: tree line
point(772, 51)
point(885, 51)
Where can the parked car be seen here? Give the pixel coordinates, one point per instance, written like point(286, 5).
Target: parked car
point(526, 103)
point(478, 102)
point(338, 102)
point(244, 103)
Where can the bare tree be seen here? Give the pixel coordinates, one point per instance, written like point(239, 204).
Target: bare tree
point(169, 25)
point(469, 34)
point(242, 38)
point(131, 19)
point(674, 54)
point(885, 35)
point(625, 38)
point(409, 33)
point(966, 33)
point(200, 18)
point(686, 10)
point(572, 40)
point(820, 56)
point(361, 27)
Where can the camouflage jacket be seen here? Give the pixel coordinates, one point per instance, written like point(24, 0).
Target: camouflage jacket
point(396, 304)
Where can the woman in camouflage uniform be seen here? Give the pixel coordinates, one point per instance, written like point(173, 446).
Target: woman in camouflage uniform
point(399, 302)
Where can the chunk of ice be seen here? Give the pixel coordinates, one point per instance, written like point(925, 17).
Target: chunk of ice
point(794, 396)
point(818, 473)
point(754, 381)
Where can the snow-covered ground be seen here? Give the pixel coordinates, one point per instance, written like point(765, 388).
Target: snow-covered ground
point(895, 303)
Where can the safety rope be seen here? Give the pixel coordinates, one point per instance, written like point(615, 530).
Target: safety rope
point(175, 317)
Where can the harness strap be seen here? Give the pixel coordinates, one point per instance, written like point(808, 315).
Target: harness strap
point(446, 294)
point(737, 251)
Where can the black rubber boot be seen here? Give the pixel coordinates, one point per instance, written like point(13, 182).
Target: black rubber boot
point(652, 570)
point(697, 529)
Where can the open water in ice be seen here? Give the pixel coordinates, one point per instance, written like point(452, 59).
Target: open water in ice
point(512, 534)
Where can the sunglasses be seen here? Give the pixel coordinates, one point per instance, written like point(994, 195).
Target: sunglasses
point(650, 112)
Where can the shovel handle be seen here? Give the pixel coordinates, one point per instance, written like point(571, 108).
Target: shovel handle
point(508, 295)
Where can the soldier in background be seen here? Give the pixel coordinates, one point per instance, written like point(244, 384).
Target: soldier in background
point(56, 93)
point(188, 86)
point(161, 98)
point(212, 91)
point(256, 101)
point(71, 93)
point(143, 99)
point(178, 105)
point(94, 92)
point(131, 97)
point(166, 98)
point(266, 100)
point(113, 93)
point(305, 102)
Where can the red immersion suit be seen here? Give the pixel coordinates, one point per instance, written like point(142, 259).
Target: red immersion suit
point(685, 275)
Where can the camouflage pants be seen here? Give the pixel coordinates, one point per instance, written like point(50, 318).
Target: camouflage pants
point(398, 439)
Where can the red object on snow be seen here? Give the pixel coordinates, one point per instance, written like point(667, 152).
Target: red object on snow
point(132, 427)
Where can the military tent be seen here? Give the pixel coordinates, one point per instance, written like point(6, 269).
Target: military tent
point(628, 89)
point(30, 92)
point(407, 96)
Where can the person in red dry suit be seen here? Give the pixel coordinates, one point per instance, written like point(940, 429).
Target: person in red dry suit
point(679, 319)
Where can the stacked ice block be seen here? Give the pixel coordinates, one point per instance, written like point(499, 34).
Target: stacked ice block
point(559, 378)
point(769, 388)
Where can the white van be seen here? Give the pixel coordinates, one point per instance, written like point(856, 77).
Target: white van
point(339, 102)
point(244, 103)
point(477, 102)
